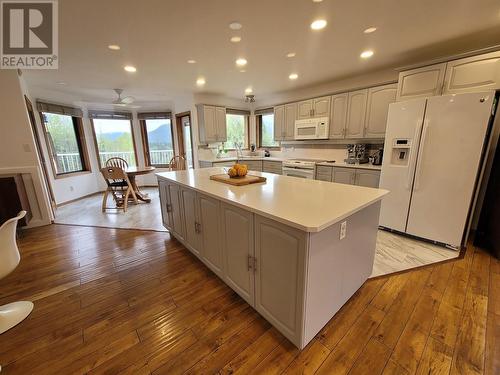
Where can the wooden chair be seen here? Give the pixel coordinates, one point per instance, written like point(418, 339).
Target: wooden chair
point(117, 162)
point(119, 186)
point(177, 163)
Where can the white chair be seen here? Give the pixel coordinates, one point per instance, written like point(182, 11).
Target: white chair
point(12, 313)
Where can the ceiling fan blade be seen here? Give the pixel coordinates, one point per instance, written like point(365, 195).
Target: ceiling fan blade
point(128, 100)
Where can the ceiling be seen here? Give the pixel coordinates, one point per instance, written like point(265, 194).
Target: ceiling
point(158, 37)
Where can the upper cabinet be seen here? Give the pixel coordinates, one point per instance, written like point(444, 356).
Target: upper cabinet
point(304, 109)
point(356, 112)
point(284, 122)
point(318, 107)
point(377, 107)
point(338, 115)
point(421, 82)
point(475, 73)
point(289, 124)
point(211, 123)
point(279, 123)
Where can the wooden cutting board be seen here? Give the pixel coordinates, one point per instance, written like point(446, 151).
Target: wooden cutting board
point(238, 181)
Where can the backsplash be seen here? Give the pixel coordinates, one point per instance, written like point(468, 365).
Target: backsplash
point(320, 152)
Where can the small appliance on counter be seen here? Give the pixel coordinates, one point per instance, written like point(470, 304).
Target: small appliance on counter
point(267, 153)
point(356, 154)
point(376, 158)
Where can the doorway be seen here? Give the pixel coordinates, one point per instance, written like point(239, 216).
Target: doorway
point(31, 115)
point(185, 137)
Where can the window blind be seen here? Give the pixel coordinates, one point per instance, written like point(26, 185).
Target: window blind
point(154, 115)
point(232, 111)
point(58, 109)
point(108, 115)
point(264, 111)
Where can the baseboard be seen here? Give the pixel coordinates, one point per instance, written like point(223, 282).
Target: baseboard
point(79, 198)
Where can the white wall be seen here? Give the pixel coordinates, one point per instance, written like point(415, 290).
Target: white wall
point(17, 146)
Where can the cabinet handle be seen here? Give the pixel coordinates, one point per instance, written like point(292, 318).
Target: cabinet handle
point(199, 227)
point(169, 207)
point(250, 262)
point(254, 264)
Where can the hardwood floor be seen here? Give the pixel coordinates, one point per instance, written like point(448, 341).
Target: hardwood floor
point(111, 301)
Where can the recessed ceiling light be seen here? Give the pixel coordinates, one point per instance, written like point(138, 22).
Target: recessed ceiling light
point(317, 1)
point(114, 47)
point(241, 61)
point(61, 83)
point(200, 81)
point(130, 68)
point(293, 76)
point(366, 54)
point(191, 61)
point(318, 24)
point(235, 26)
point(242, 71)
point(248, 90)
point(370, 30)
point(235, 39)
point(290, 54)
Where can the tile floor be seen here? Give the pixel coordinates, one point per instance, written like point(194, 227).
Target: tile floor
point(394, 252)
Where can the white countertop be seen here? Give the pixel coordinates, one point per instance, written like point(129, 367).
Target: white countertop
point(341, 164)
point(309, 205)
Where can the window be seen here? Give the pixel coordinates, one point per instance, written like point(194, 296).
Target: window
point(114, 139)
point(236, 130)
point(65, 142)
point(158, 141)
point(265, 128)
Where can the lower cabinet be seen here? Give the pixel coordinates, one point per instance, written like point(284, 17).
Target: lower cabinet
point(164, 202)
point(279, 272)
point(367, 178)
point(174, 208)
point(344, 175)
point(210, 233)
point(350, 176)
point(238, 250)
point(192, 221)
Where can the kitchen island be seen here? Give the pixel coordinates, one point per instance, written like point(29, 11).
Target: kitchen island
point(296, 250)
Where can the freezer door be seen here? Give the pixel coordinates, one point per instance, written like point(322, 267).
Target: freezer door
point(448, 163)
point(404, 125)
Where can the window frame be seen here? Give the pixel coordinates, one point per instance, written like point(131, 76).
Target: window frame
point(247, 131)
point(96, 146)
point(258, 133)
point(145, 143)
point(80, 140)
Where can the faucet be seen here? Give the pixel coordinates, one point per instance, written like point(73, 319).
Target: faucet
point(238, 146)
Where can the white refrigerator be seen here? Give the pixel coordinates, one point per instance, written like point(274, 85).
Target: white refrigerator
point(432, 158)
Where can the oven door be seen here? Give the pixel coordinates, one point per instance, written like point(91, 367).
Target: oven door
point(309, 131)
point(298, 172)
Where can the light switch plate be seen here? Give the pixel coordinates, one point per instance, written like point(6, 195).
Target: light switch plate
point(343, 229)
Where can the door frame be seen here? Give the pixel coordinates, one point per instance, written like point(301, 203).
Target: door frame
point(38, 144)
point(180, 134)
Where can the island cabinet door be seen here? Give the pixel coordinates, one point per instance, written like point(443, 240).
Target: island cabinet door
point(279, 275)
point(191, 221)
point(210, 233)
point(164, 204)
point(175, 208)
point(238, 250)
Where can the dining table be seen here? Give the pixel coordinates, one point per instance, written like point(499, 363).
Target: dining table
point(132, 173)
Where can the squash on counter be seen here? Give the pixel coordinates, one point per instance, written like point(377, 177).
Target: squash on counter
point(238, 170)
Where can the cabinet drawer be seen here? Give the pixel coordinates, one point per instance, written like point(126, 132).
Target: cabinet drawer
point(253, 165)
point(322, 169)
point(272, 167)
point(324, 177)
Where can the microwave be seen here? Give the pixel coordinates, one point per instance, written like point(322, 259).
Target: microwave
point(311, 128)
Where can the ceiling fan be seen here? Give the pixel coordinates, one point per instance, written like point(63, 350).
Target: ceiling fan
point(126, 100)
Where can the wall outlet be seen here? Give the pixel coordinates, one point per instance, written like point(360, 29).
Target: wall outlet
point(343, 229)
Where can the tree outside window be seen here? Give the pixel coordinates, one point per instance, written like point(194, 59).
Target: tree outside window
point(266, 123)
point(236, 129)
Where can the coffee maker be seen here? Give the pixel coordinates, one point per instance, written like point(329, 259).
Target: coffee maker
point(356, 154)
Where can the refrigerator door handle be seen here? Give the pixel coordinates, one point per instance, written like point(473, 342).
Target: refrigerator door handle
point(418, 169)
point(413, 157)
